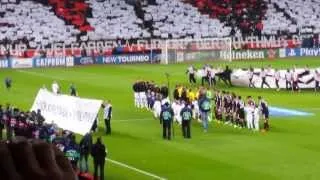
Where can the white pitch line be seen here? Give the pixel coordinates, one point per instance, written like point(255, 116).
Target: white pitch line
point(41, 75)
point(128, 120)
point(135, 169)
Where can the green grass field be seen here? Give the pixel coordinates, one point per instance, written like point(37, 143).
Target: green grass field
point(291, 150)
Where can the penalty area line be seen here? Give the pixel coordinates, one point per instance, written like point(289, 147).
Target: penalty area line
point(135, 169)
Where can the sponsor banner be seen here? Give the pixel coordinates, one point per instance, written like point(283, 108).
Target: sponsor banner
point(84, 60)
point(252, 54)
point(240, 77)
point(244, 54)
point(21, 63)
point(53, 62)
point(68, 112)
point(296, 52)
point(126, 59)
point(292, 52)
point(201, 55)
point(5, 63)
point(282, 53)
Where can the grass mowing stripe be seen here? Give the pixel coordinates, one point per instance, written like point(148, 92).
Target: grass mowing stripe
point(41, 75)
point(135, 169)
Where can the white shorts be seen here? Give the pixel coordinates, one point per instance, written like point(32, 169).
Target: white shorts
point(165, 100)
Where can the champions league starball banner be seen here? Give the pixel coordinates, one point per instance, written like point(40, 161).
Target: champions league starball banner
point(240, 77)
point(5, 63)
point(68, 112)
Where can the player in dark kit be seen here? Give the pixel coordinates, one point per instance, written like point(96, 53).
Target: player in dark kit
point(73, 90)
point(186, 115)
point(265, 112)
point(164, 91)
point(8, 83)
point(166, 117)
point(241, 114)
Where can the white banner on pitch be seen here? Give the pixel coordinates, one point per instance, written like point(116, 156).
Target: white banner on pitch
point(71, 113)
point(240, 77)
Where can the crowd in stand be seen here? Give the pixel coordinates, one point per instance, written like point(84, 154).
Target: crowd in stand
point(32, 126)
point(240, 14)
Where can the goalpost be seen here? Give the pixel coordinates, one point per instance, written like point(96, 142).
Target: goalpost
point(188, 50)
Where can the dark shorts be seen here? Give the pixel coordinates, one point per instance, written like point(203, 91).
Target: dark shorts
point(241, 114)
point(265, 114)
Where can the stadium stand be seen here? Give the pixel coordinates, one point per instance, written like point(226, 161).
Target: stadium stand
point(34, 23)
point(114, 19)
point(304, 14)
point(45, 22)
point(243, 16)
point(175, 19)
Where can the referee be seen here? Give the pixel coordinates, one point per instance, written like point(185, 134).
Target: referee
point(107, 116)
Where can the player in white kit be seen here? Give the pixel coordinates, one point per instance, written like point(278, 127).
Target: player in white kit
point(249, 109)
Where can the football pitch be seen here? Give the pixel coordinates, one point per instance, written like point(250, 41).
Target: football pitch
point(291, 150)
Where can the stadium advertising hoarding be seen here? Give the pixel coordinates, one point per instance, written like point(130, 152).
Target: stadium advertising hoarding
point(5, 63)
point(52, 62)
point(68, 112)
point(251, 54)
point(297, 52)
point(21, 63)
point(84, 60)
point(127, 59)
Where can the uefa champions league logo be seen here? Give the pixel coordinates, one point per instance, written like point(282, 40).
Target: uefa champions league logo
point(292, 52)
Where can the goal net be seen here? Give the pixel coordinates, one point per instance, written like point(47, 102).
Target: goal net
point(188, 50)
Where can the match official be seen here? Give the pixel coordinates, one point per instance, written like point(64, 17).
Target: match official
point(265, 112)
point(186, 115)
point(166, 117)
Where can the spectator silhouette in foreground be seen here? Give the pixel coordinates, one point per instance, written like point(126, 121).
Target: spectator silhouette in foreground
point(22, 159)
point(99, 154)
point(85, 149)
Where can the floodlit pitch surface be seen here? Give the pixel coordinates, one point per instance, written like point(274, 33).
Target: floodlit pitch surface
point(291, 150)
